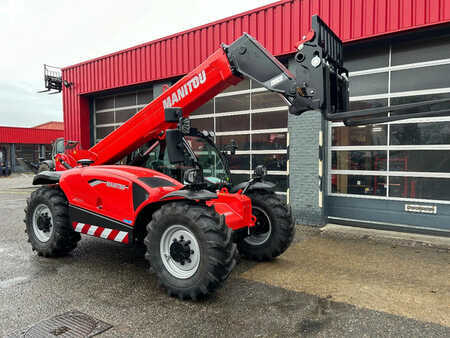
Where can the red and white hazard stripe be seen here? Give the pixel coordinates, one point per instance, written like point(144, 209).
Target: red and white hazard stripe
point(106, 233)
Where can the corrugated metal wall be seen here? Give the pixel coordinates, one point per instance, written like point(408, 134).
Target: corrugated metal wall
point(29, 135)
point(277, 26)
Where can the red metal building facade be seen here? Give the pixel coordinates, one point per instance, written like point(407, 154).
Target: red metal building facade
point(277, 26)
point(16, 135)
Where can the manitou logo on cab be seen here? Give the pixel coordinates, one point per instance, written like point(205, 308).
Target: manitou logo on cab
point(185, 90)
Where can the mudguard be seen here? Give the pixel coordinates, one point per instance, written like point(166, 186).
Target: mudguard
point(263, 185)
point(47, 177)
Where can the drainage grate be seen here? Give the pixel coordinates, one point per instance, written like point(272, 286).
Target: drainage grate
point(69, 324)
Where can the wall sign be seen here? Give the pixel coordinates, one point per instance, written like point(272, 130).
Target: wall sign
point(421, 209)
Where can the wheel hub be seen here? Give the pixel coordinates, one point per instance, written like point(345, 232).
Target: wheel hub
point(180, 250)
point(261, 232)
point(44, 222)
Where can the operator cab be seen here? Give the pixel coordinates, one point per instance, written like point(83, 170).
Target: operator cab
point(198, 150)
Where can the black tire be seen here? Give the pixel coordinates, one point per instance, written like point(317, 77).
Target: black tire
point(43, 167)
point(62, 237)
point(217, 250)
point(273, 243)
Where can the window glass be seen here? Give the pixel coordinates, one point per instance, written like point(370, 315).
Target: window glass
point(104, 103)
point(232, 123)
point(207, 108)
point(431, 48)
point(266, 100)
point(420, 187)
point(59, 146)
point(422, 98)
point(276, 162)
point(104, 118)
point(420, 160)
point(242, 141)
point(103, 131)
point(269, 141)
point(232, 103)
point(125, 114)
point(203, 124)
point(359, 160)
point(420, 78)
point(366, 56)
point(359, 136)
point(125, 100)
point(369, 84)
point(243, 85)
point(269, 120)
point(420, 133)
point(358, 185)
point(145, 97)
point(239, 162)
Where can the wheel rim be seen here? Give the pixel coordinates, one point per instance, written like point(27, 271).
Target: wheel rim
point(180, 251)
point(42, 223)
point(260, 233)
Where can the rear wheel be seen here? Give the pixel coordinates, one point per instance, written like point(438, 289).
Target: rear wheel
point(47, 223)
point(274, 229)
point(190, 249)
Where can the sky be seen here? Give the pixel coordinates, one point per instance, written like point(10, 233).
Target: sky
point(64, 32)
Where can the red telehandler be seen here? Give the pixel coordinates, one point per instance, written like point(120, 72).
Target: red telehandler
point(175, 193)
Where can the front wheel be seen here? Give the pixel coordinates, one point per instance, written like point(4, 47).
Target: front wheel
point(190, 249)
point(47, 223)
point(274, 229)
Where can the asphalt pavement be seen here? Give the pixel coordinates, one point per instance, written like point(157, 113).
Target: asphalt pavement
point(322, 286)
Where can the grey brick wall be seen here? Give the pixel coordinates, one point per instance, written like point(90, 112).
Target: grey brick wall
point(304, 168)
point(304, 181)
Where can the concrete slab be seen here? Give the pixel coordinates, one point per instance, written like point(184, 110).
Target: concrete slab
point(406, 281)
point(392, 237)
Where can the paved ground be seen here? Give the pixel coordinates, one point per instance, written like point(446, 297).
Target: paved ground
point(322, 286)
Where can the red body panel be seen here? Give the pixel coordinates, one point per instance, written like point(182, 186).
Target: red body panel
point(237, 209)
point(108, 191)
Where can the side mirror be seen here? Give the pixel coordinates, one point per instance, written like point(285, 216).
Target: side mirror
point(231, 147)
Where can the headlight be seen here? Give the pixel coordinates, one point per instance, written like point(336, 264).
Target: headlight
point(260, 171)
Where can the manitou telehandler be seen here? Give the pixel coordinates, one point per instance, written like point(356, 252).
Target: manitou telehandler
point(175, 193)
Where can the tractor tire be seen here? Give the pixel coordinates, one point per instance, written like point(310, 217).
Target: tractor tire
point(189, 247)
point(47, 223)
point(274, 229)
point(43, 167)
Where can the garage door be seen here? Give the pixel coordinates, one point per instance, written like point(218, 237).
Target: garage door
point(112, 111)
point(397, 172)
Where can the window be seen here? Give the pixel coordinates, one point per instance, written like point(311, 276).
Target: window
point(407, 159)
point(112, 111)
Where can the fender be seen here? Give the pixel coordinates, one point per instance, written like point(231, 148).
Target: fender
point(47, 177)
point(263, 185)
point(199, 195)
